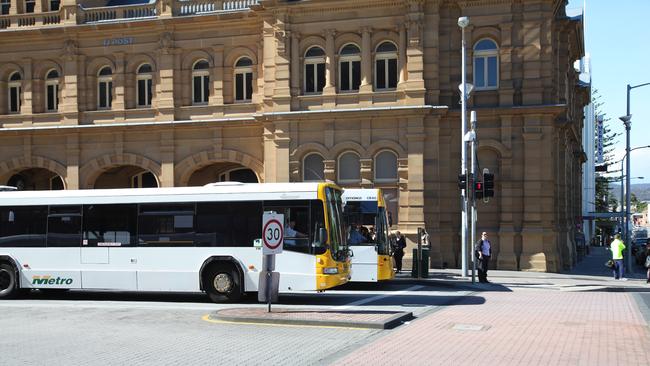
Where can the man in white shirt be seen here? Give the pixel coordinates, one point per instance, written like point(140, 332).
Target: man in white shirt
point(290, 233)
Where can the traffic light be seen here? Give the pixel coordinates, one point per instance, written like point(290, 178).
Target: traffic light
point(488, 185)
point(462, 181)
point(478, 190)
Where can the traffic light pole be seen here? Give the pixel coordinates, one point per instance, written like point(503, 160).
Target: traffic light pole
point(472, 195)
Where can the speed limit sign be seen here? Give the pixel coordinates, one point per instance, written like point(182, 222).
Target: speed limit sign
point(272, 233)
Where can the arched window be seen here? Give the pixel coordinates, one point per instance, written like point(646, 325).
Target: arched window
point(105, 88)
point(385, 167)
point(314, 70)
point(313, 168)
point(386, 66)
point(52, 91)
point(486, 65)
point(5, 5)
point(349, 68)
point(200, 82)
point(349, 169)
point(15, 87)
point(144, 85)
point(243, 80)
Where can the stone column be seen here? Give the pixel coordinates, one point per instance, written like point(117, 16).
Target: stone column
point(269, 52)
point(27, 87)
point(330, 63)
point(119, 86)
point(167, 158)
point(71, 73)
point(415, 65)
point(366, 173)
point(329, 170)
point(164, 101)
point(366, 61)
point(296, 65)
point(402, 57)
point(72, 161)
point(217, 76)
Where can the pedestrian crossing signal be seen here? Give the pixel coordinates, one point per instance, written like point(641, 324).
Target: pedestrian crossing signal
point(488, 185)
point(478, 190)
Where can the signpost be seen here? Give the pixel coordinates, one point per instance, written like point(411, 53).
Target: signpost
point(272, 243)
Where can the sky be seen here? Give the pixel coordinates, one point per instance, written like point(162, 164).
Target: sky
point(617, 39)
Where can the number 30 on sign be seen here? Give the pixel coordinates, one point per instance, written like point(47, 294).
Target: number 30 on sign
point(272, 233)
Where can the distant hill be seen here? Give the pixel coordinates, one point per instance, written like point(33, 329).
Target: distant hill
point(642, 191)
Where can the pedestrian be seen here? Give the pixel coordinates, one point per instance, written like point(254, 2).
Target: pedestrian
point(398, 251)
point(617, 248)
point(483, 252)
point(647, 259)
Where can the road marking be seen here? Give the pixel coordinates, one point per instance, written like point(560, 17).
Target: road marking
point(378, 297)
point(206, 318)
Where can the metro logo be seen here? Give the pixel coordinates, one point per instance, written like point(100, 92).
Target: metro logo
point(49, 280)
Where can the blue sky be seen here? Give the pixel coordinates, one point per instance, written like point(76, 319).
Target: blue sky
point(616, 37)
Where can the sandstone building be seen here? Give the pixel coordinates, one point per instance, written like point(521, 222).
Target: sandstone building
point(98, 93)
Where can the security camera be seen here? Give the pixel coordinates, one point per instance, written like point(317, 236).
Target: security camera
point(463, 22)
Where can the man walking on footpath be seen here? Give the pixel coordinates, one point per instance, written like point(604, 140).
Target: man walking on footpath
point(617, 248)
point(483, 251)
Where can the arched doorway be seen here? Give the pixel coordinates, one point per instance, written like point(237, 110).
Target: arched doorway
point(126, 176)
point(222, 172)
point(36, 179)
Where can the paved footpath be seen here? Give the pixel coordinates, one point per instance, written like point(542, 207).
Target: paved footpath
point(520, 325)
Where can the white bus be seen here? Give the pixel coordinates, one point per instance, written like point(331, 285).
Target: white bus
point(364, 211)
point(170, 239)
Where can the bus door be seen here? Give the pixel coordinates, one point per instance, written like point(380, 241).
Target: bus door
point(361, 217)
point(108, 252)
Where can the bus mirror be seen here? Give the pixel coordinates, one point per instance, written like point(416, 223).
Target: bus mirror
point(322, 236)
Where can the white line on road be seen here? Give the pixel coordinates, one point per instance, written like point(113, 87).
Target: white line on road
point(378, 297)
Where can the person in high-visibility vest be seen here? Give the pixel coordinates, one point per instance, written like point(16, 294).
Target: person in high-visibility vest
point(617, 246)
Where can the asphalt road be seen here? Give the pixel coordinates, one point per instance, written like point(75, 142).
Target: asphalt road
point(116, 328)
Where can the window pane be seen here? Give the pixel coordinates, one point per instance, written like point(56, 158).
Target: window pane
point(314, 168)
point(142, 97)
point(239, 86)
point(392, 73)
point(23, 226)
point(64, 226)
point(4, 10)
point(110, 94)
point(386, 166)
point(298, 229)
point(149, 91)
point(13, 99)
point(380, 70)
point(309, 78)
point(50, 97)
point(315, 52)
point(485, 45)
point(320, 75)
point(166, 225)
point(56, 96)
point(29, 6)
point(345, 75)
point(479, 72)
point(54, 5)
point(356, 75)
point(206, 88)
point(110, 225)
point(492, 71)
point(197, 89)
point(102, 95)
point(249, 85)
point(235, 224)
point(149, 180)
point(350, 168)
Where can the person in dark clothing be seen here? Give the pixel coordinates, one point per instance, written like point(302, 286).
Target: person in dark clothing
point(398, 251)
point(483, 252)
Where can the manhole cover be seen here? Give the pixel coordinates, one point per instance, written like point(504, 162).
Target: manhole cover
point(470, 327)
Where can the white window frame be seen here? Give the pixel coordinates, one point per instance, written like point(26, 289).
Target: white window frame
point(55, 83)
point(338, 169)
point(312, 60)
point(304, 165)
point(485, 55)
point(350, 59)
point(203, 74)
point(385, 180)
point(243, 70)
point(145, 76)
point(17, 84)
point(105, 81)
point(385, 57)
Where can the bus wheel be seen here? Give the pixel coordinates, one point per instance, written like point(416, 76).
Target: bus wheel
point(7, 281)
point(222, 283)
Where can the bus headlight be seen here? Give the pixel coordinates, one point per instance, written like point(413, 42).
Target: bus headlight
point(330, 270)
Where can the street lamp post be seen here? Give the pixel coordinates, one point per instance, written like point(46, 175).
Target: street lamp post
point(627, 119)
point(463, 22)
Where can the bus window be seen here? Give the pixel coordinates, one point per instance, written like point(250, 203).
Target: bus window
point(166, 225)
point(64, 226)
point(23, 226)
point(231, 224)
point(297, 234)
point(110, 225)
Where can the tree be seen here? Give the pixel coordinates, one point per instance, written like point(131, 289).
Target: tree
point(639, 206)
